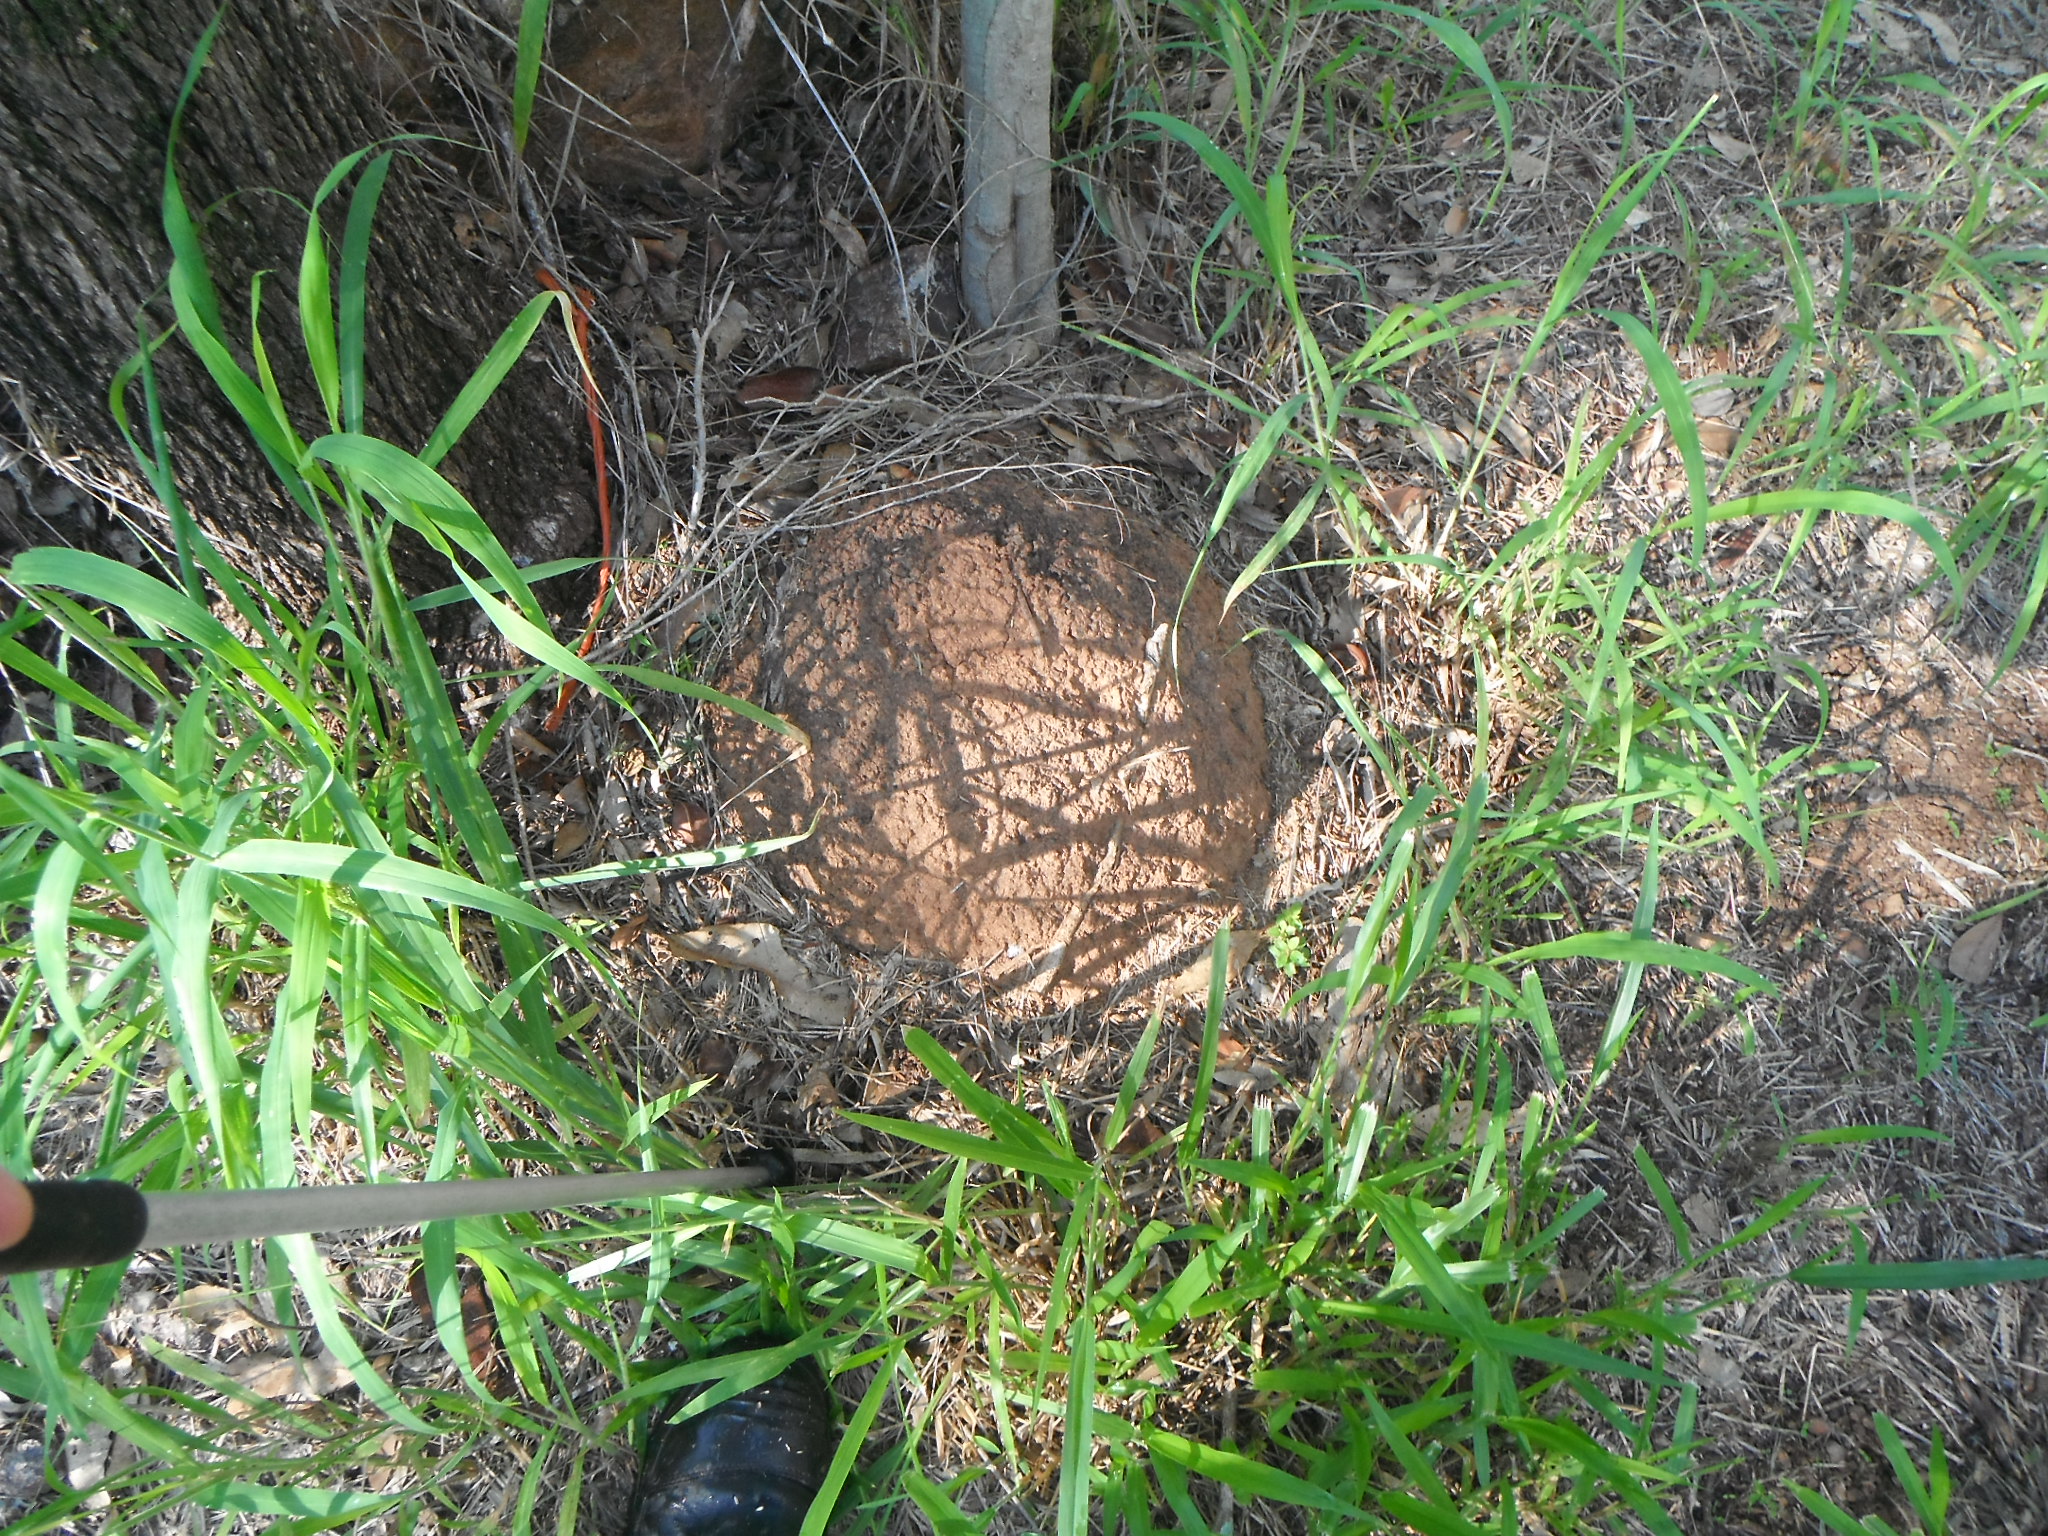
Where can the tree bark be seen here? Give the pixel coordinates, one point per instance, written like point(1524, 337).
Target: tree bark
point(1006, 245)
point(86, 99)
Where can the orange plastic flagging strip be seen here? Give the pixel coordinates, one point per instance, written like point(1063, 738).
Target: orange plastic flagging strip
point(579, 299)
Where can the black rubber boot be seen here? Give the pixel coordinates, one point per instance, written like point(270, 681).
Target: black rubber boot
point(748, 1467)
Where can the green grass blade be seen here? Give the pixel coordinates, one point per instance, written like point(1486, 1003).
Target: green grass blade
point(533, 37)
point(481, 385)
point(352, 334)
point(1931, 1275)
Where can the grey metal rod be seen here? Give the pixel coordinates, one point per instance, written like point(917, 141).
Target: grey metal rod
point(230, 1215)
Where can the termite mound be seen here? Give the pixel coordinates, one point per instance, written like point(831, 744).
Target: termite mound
point(1029, 753)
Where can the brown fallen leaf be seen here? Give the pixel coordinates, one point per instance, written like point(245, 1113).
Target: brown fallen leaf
point(218, 1309)
point(1645, 444)
point(818, 1089)
point(785, 386)
point(528, 747)
point(1194, 980)
point(715, 1057)
point(1733, 148)
point(627, 934)
point(660, 343)
point(1708, 1216)
point(758, 947)
point(1440, 441)
point(1457, 1121)
point(691, 824)
point(1407, 508)
point(1712, 400)
point(287, 1378)
point(1138, 1135)
point(576, 795)
point(1457, 219)
point(667, 253)
point(1974, 957)
point(1717, 437)
point(572, 837)
point(845, 236)
point(727, 330)
point(1944, 34)
point(479, 1323)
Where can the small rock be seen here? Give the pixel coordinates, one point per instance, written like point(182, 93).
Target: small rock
point(892, 315)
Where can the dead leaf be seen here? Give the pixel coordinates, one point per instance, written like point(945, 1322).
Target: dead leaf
point(1707, 1216)
point(665, 253)
point(661, 342)
point(1138, 1135)
point(1733, 148)
point(727, 330)
point(528, 747)
point(287, 1378)
point(626, 934)
point(1945, 37)
point(1457, 219)
point(785, 386)
point(479, 1323)
point(572, 837)
point(1126, 449)
point(1407, 508)
point(1233, 1053)
point(1440, 442)
point(758, 947)
point(576, 795)
point(1719, 1371)
point(1457, 1122)
point(1714, 400)
point(218, 1309)
point(613, 809)
point(715, 1057)
point(691, 824)
point(1074, 441)
point(1974, 957)
point(1194, 980)
point(1897, 36)
point(1717, 437)
point(845, 236)
point(1511, 426)
point(1646, 444)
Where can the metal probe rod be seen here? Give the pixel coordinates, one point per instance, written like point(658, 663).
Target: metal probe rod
point(188, 1219)
point(96, 1221)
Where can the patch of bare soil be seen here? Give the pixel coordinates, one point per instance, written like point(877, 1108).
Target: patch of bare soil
point(1027, 755)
